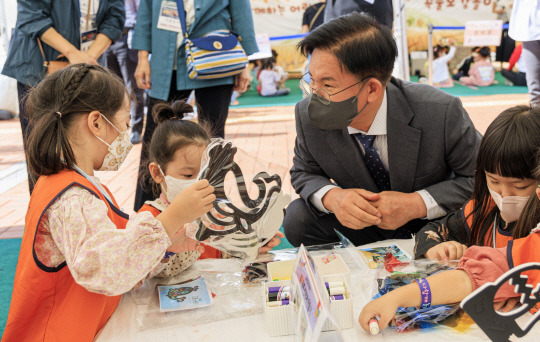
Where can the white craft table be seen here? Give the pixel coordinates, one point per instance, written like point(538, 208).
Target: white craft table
point(123, 327)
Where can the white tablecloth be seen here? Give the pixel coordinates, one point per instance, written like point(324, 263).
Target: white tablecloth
point(123, 327)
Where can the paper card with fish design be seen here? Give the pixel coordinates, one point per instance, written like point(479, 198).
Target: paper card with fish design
point(374, 257)
point(187, 295)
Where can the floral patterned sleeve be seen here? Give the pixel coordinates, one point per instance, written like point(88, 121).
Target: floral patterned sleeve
point(100, 257)
point(449, 228)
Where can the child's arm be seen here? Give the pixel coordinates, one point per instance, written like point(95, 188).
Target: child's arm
point(478, 266)
point(446, 287)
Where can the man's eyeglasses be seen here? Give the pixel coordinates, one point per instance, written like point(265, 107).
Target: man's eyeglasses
point(322, 94)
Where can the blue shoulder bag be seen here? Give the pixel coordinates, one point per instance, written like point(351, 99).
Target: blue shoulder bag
point(217, 54)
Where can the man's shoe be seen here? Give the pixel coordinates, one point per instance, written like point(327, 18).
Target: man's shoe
point(135, 138)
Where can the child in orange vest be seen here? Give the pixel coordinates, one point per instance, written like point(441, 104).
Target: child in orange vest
point(479, 265)
point(80, 252)
point(175, 155)
point(503, 185)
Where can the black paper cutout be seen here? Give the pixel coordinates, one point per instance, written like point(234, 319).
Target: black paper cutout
point(221, 161)
point(499, 326)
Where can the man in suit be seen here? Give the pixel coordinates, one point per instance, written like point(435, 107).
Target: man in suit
point(375, 157)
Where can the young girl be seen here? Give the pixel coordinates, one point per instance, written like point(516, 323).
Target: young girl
point(478, 266)
point(441, 75)
point(176, 150)
point(270, 79)
point(503, 185)
point(79, 252)
point(482, 73)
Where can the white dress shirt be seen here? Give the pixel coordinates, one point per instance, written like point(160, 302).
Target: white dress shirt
point(524, 23)
point(378, 128)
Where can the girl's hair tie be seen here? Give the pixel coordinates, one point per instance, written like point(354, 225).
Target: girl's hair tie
point(59, 115)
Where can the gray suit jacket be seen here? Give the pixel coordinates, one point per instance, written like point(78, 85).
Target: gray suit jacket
point(432, 145)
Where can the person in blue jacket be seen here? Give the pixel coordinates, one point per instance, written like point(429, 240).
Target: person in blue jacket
point(162, 66)
point(60, 25)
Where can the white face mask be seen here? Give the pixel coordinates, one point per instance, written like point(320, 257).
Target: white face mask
point(175, 185)
point(118, 150)
point(510, 206)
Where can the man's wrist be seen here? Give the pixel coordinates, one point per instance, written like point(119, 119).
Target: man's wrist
point(328, 199)
point(419, 206)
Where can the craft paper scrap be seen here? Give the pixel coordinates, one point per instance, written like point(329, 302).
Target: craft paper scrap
point(374, 257)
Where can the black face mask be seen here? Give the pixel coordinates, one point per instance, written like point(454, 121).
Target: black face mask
point(335, 115)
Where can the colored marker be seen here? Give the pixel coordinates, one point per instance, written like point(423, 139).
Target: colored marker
point(333, 284)
point(278, 303)
point(274, 289)
point(279, 296)
point(374, 326)
point(336, 291)
point(337, 297)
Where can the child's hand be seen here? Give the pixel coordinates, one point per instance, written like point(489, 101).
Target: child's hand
point(276, 240)
point(506, 305)
point(182, 243)
point(383, 307)
point(194, 201)
point(449, 250)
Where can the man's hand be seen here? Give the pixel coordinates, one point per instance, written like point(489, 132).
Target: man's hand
point(398, 208)
point(353, 207)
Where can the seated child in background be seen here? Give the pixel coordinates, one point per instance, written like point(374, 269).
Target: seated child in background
point(80, 252)
point(503, 185)
point(441, 76)
point(516, 78)
point(479, 265)
point(482, 73)
point(269, 79)
point(175, 155)
point(282, 73)
point(462, 69)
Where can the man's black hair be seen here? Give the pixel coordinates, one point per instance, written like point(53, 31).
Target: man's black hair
point(362, 46)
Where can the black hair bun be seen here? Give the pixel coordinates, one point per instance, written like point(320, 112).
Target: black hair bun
point(164, 111)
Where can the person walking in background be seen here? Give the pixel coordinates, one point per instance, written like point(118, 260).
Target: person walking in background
point(313, 17)
point(165, 76)
point(60, 26)
point(122, 60)
point(381, 10)
point(516, 78)
point(503, 8)
point(525, 27)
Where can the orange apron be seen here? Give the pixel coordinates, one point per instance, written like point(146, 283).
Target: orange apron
point(47, 304)
point(522, 251)
point(501, 236)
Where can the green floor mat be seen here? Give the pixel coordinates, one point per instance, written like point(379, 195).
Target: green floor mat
point(8, 264)
point(494, 89)
point(252, 99)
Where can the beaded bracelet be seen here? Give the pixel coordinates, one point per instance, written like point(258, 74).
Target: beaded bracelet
point(425, 293)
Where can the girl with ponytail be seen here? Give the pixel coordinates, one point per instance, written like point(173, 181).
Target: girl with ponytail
point(80, 252)
point(175, 155)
